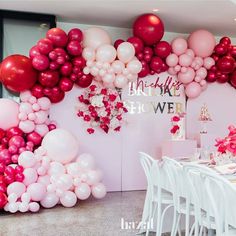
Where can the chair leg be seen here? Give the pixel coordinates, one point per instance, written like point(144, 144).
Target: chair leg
point(177, 228)
point(187, 221)
point(201, 230)
point(192, 228)
point(158, 229)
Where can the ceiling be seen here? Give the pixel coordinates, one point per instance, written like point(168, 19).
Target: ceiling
point(178, 16)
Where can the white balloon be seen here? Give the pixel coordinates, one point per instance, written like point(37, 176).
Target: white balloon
point(88, 54)
point(118, 66)
point(125, 52)
point(134, 66)
point(69, 199)
point(108, 78)
point(106, 53)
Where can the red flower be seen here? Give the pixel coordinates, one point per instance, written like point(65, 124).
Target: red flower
point(222, 148)
point(119, 105)
point(92, 87)
point(94, 114)
point(105, 120)
point(175, 118)
point(80, 113)
point(105, 128)
point(117, 128)
point(174, 129)
point(112, 97)
point(90, 130)
point(105, 103)
point(81, 98)
point(87, 118)
point(104, 91)
point(119, 117)
point(125, 109)
point(91, 108)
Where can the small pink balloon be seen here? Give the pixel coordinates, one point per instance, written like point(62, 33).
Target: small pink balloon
point(86, 161)
point(42, 129)
point(41, 117)
point(204, 87)
point(172, 60)
point(31, 176)
point(193, 90)
point(99, 191)
point(65, 182)
point(120, 81)
point(202, 72)
point(25, 96)
point(179, 46)
point(203, 82)
point(199, 61)
point(45, 180)
point(41, 171)
point(185, 60)
point(172, 71)
point(69, 199)
point(108, 78)
point(27, 159)
point(56, 168)
point(31, 116)
point(23, 116)
point(25, 107)
point(177, 68)
point(83, 191)
point(125, 52)
point(184, 69)
point(50, 200)
point(44, 103)
point(208, 62)
point(37, 191)
point(36, 107)
point(93, 177)
point(17, 187)
point(34, 207)
point(32, 100)
point(186, 77)
point(197, 78)
point(27, 126)
point(118, 66)
point(73, 169)
point(190, 52)
point(13, 207)
point(23, 207)
point(106, 53)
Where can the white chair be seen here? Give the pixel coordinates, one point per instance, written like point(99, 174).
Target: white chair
point(156, 197)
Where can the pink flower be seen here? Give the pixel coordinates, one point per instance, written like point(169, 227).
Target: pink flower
point(112, 97)
point(90, 130)
point(80, 113)
point(175, 119)
point(81, 98)
point(92, 87)
point(87, 118)
point(117, 128)
point(119, 105)
point(104, 91)
point(174, 129)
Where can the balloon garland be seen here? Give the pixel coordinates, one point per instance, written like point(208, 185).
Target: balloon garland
point(35, 169)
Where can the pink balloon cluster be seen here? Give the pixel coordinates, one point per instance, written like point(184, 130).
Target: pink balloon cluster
point(48, 182)
point(34, 115)
point(110, 66)
point(190, 69)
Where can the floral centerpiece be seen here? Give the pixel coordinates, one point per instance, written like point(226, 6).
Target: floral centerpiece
point(178, 127)
point(101, 107)
point(204, 117)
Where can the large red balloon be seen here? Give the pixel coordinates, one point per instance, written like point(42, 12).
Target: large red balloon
point(84, 81)
point(226, 64)
point(149, 28)
point(17, 73)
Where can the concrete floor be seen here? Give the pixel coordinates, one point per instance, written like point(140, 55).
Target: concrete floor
point(87, 218)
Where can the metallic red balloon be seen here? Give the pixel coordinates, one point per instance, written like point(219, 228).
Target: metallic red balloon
point(40, 62)
point(15, 131)
point(56, 95)
point(232, 51)
point(48, 78)
point(74, 48)
point(223, 78)
point(2, 134)
point(17, 141)
point(84, 81)
point(75, 34)
point(156, 64)
point(145, 69)
point(66, 69)
point(226, 64)
point(232, 79)
point(149, 28)
point(221, 49)
point(225, 40)
point(35, 138)
point(34, 51)
point(162, 49)
point(37, 91)
point(211, 76)
point(137, 43)
point(79, 62)
point(66, 84)
point(3, 200)
point(17, 73)
point(118, 42)
point(58, 37)
point(45, 46)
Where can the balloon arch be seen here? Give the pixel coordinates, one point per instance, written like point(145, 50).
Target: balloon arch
point(39, 163)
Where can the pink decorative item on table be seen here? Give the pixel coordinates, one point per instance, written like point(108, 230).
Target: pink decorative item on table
point(204, 117)
point(178, 127)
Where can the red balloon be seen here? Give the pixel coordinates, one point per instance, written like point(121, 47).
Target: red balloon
point(47, 92)
point(232, 51)
point(66, 69)
point(137, 43)
point(60, 52)
point(79, 62)
point(145, 70)
point(54, 65)
point(2, 134)
point(45, 46)
point(215, 57)
point(162, 49)
point(56, 95)
point(53, 55)
point(66, 84)
point(58, 37)
point(3, 188)
point(34, 51)
point(211, 76)
point(226, 64)
point(84, 81)
point(17, 73)
point(3, 200)
point(220, 49)
point(52, 127)
point(17, 141)
point(5, 156)
point(40, 62)
point(75, 34)
point(223, 78)
point(15, 131)
point(35, 138)
point(156, 64)
point(118, 42)
point(61, 60)
point(37, 91)
point(140, 56)
point(225, 40)
point(149, 28)
point(49, 78)
point(148, 50)
point(147, 57)
point(74, 48)
point(232, 79)
point(19, 177)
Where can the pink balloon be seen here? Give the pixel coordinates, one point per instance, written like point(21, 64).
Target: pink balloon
point(202, 43)
point(61, 145)
point(34, 207)
point(83, 191)
point(93, 177)
point(99, 191)
point(69, 199)
point(73, 169)
point(199, 61)
point(118, 66)
point(27, 126)
point(185, 60)
point(26, 107)
point(203, 82)
point(108, 78)
point(106, 53)
point(65, 182)
point(56, 168)
point(23, 207)
point(186, 77)
point(121, 81)
point(50, 200)
point(45, 180)
point(17, 187)
point(37, 191)
point(27, 159)
point(134, 66)
point(209, 62)
point(31, 176)
point(125, 52)
point(86, 161)
point(172, 71)
point(88, 54)
point(193, 90)
point(41, 117)
point(42, 129)
point(25, 96)
point(13, 207)
point(8, 113)
point(197, 78)
point(95, 37)
point(177, 68)
point(179, 46)
point(172, 60)
point(44, 103)
point(190, 52)
point(202, 72)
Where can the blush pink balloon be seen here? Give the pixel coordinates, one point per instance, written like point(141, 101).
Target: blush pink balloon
point(26, 107)
point(99, 190)
point(23, 207)
point(69, 199)
point(108, 78)
point(93, 177)
point(172, 60)
point(172, 71)
point(106, 53)
point(86, 161)
point(193, 90)
point(125, 52)
point(37, 191)
point(17, 187)
point(190, 52)
point(83, 191)
point(179, 46)
point(8, 113)
point(88, 54)
point(65, 182)
point(202, 43)
point(25, 96)
point(34, 207)
point(185, 60)
point(202, 72)
point(42, 129)
point(121, 81)
point(44, 103)
point(50, 200)
point(27, 159)
point(27, 126)
point(134, 66)
point(31, 176)
point(56, 168)
point(118, 66)
point(208, 62)
point(73, 169)
point(186, 77)
point(41, 117)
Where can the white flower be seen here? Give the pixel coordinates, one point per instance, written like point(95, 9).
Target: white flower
point(96, 101)
point(114, 123)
